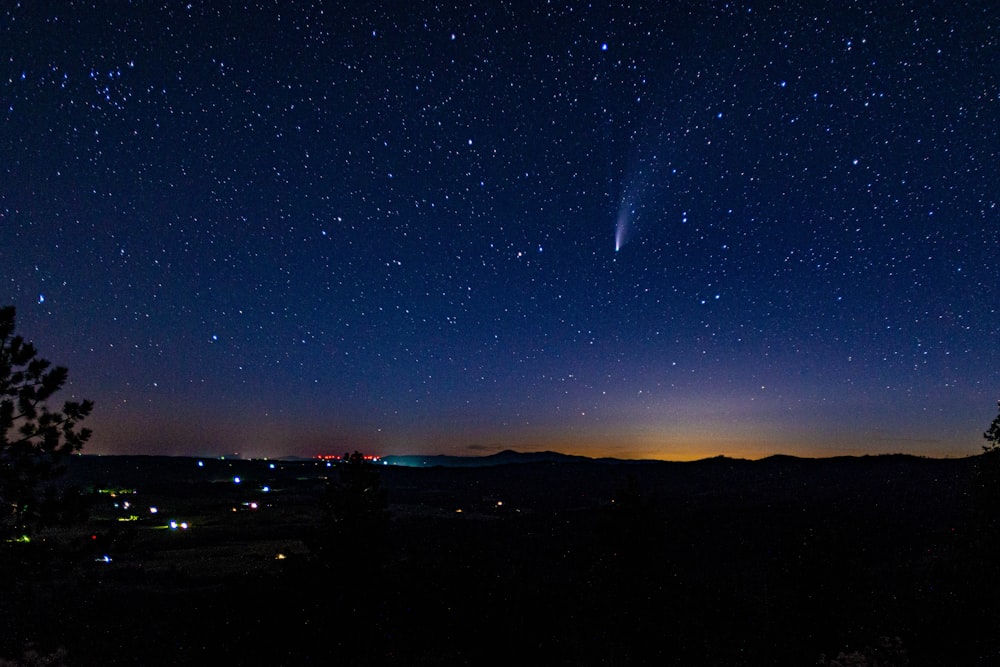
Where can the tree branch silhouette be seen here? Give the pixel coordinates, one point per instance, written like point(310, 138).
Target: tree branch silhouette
point(34, 439)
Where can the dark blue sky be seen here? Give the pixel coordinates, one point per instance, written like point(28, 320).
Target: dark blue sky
point(677, 230)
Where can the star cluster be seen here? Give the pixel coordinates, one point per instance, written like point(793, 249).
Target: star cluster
point(282, 228)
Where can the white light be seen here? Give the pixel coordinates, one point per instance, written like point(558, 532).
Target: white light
point(236, 480)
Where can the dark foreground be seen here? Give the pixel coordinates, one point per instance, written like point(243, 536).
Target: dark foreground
point(861, 561)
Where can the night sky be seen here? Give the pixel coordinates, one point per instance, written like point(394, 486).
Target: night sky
point(672, 231)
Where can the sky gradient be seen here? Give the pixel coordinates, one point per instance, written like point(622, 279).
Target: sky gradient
point(669, 231)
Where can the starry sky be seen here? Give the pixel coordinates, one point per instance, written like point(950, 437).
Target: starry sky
point(668, 230)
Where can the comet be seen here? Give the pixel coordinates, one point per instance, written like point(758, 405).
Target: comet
point(627, 211)
point(635, 186)
point(621, 228)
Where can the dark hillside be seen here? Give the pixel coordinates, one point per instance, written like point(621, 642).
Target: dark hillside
point(722, 561)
